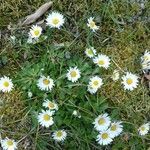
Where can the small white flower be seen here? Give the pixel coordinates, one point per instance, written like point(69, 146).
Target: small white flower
point(102, 61)
point(8, 144)
point(45, 83)
point(145, 59)
point(115, 75)
point(55, 20)
point(130, 81)
point(50, 105)
point(75, 113)
point(144, 129)
point(91, 90)
point(115, 129)
point(6, 84)
point(91, 24)
point(45, 118)
point(102, 122)
point(104, 138)
point(146, 65)
point(59, 135)
point(35, 31)
point(95, 83)
point(90, 52)
point(73, 74)
point(30, 94)
point(146, 56)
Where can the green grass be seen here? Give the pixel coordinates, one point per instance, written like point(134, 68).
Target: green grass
point(123, 35)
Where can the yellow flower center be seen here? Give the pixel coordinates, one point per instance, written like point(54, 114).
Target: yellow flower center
point(73, 73)
point(146, 57)
point(36, 32)
point(104, 136)
point(46, 81)
point(9, 142)
point(92, 24)
point(129, 81)
point(46, 117)
point(113, 127)
point(51, 105)
point(142, 128)
point(90, 52)
point(55, 21)
point(59, 134)
point(6, 84)
point(101, 121)
point(95, 83)
point(101, 62)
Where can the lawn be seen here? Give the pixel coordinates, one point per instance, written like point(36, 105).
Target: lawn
point(123, 35)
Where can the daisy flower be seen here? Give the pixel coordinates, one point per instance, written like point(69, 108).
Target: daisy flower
point(8, 144)
point(76, 114)
point(30, 94)
point(102, 61)
point(95, 82)
point(90, 52)
point(146, 56)
point(91, 90)
point(104, 138)
point(45, 118)
point(35, 31)
point(73, 74)
point(45, 83)
point(115, 129)
point(115, 75)
point(50, 105)
point(59, 135)
point(102, 122)
point(145, 59)
point(146, 66)
point(91, 24)
point(130, 81)
point(144, 129)
point(6, 84)
point(55, 20)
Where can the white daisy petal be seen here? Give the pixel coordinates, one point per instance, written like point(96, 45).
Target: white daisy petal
point(115, 75)
point(115, 129)
point(45, 83)
point(146, 56)
point(144, 129)
point(55, 20)
point(95, 83)
point(102, 61)
point(8, 144)
point(50, 105)
point(73, 74)
point(45, 118)
point(35, 32)
point(90, 52)
point(6, 84)
point(130, 81)
point(145, 59)
point(102, 122)
point(104, 138)
point(92, 90)
point(59, 135)
point(91, 24)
